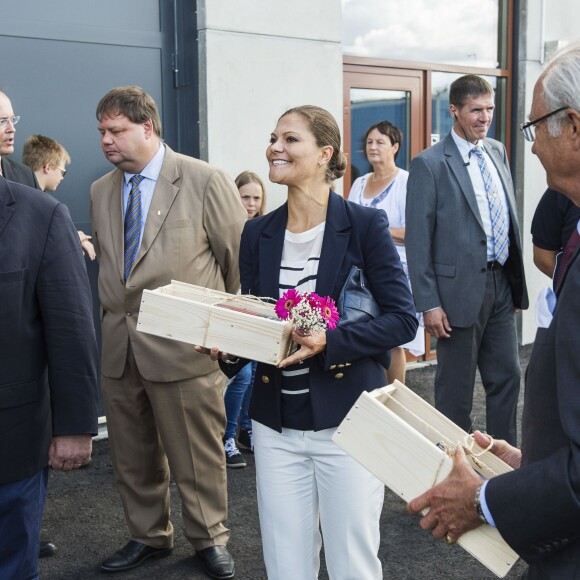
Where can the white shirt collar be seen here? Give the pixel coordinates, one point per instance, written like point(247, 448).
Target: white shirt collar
point(465, 146)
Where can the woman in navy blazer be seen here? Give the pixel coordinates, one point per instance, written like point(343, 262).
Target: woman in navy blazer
point(302, 477)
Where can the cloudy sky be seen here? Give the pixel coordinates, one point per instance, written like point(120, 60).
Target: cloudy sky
point(449, 31)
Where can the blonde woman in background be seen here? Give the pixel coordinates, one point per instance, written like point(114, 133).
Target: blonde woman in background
point(239, 391)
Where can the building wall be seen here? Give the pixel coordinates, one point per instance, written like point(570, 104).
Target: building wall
point(261, 58)
point(256, 61)
point(545, 25)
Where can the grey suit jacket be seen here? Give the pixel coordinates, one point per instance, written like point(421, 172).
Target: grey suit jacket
point(192, 234)
point(537, 507)
point(19, 173)
point(445, 240)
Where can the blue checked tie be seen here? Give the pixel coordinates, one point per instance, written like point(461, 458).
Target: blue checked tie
point(499, 225)
point(133, 220)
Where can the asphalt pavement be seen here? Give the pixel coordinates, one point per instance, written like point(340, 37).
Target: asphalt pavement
point(84, 518)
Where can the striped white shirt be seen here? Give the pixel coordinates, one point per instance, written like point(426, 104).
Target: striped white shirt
point(299, 269)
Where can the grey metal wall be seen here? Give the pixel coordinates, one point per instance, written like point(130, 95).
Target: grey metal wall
point(58, 58)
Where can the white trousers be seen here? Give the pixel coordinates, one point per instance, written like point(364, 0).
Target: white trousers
point(305, 482)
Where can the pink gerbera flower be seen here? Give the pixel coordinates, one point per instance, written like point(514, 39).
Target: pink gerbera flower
point(314, 300)
point(286, 302)
point(329, 312)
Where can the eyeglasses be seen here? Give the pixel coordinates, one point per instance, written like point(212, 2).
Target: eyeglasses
point(62, 170)
point(528, 129)
point(11, 120)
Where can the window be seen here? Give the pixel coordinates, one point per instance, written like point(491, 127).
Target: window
point(465, 33)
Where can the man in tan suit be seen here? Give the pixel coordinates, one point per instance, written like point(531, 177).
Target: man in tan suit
point(161, 216)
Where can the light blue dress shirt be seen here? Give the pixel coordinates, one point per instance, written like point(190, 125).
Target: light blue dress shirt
point(479, 188)
point(150, 175)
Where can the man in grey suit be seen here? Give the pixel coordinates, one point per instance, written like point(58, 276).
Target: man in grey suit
point(536, 508)
point(11, 170)
point(465, 261)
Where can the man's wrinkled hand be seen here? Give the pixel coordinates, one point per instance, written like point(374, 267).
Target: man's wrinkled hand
point(450, 504)
point(68, 452)
point(506, 452)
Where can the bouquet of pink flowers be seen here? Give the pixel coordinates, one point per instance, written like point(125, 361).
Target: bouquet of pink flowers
point(308, 312)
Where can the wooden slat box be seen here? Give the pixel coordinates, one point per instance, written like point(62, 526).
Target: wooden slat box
point(404, 441)
point(239, 325)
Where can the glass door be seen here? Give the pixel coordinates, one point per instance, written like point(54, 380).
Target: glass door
point(373, 94)
point(381, 94)
point(369, 106)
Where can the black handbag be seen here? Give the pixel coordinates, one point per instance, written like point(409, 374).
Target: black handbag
point(357, 304)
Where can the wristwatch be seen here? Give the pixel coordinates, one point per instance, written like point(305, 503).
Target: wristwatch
point(477, 504)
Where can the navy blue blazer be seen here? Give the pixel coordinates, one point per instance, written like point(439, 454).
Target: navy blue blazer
point(354, 235)
point(18, 172)
point(537, 508)
point(46, 331)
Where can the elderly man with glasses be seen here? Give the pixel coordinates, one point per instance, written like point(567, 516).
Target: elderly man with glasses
point(536, 508)
point(10, 169)
point(19, 173)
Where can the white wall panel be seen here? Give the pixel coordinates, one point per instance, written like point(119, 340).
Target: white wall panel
point(248, 79)
point(547, 21)
point(311, 19)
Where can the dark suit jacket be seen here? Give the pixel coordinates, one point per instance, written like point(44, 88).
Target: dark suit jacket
point(537, 507)
point(445, 240)
point(46, 331)
point(17, 172)
point(354, 235)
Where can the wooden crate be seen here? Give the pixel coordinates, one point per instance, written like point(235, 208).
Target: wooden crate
point(404, 441)
point(239, 325)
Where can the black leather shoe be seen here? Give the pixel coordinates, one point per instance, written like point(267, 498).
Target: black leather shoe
point(218, 562)
point(46, 549)
point(132, 555)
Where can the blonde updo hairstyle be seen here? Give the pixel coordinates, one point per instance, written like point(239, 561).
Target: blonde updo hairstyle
point(326, 132)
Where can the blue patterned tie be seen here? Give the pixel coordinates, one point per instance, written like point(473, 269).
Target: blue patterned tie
point(133, 220)
point(499, 225)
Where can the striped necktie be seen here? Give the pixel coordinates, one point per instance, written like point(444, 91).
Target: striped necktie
point(499, 225)
point(133, 221)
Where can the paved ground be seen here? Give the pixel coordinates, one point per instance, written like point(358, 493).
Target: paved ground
point(84, 517)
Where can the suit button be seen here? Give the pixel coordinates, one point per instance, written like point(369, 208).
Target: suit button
point(484, 270)
point(127, 313)
point(332, 367)
point(265, 379)
point(339, 375)
point(483, 242)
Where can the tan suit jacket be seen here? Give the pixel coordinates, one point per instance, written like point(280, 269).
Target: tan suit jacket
point(192, 234)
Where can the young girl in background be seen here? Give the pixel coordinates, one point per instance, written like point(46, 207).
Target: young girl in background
point(239, 391)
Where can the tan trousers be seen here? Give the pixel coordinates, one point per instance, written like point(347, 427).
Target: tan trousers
point(157, 427)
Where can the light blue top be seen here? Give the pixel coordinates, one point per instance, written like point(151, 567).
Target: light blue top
point(150, 175)
point(474, 171)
